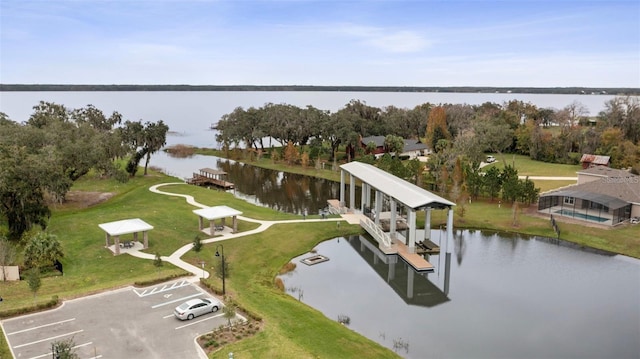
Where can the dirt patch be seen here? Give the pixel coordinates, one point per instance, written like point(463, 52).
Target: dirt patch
point(83, 199)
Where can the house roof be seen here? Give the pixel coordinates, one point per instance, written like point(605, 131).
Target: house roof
point(125, 226)
point(603, 171)
point(211, 213)
point(401, 190)
point(614, 192)
point(413, 145)
point(595, 159)
point(409, 145)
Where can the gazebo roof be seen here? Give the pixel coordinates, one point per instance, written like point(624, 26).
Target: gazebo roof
point(217, 212)
point(125, 226)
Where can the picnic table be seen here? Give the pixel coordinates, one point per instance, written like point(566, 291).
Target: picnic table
point(126, 244)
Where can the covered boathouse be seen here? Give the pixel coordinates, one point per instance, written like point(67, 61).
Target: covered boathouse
point(392, 196)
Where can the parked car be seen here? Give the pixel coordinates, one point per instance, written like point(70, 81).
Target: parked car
point(196, 307)
point(490, 159)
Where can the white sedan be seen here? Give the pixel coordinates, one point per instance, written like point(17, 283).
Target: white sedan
point(196, 307)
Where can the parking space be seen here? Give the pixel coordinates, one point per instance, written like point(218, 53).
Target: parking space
point(126, 323)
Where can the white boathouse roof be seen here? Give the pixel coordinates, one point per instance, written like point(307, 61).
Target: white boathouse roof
point(409, 194)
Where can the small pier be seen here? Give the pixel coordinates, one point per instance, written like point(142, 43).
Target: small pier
point(210, 177)
point(427, 247)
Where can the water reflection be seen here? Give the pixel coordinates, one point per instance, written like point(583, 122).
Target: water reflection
point(282, 191)
point(286, 192)
point(413, 287)
point(505, 296)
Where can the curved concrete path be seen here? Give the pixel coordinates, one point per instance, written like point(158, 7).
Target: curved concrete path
point(175, 257)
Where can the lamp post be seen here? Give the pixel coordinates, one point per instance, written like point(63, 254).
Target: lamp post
point(221, 255)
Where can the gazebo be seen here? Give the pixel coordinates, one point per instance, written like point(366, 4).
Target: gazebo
point(213, 213)
point(126, 226)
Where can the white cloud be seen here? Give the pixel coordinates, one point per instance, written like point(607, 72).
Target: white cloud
point(386, 40)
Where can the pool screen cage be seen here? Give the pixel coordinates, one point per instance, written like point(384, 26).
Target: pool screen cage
point(589, 206)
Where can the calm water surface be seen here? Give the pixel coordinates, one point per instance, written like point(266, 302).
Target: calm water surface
point(504, 297)
point(286, 192)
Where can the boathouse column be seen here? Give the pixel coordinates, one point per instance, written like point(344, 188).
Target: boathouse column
point(376, 217)
point(412, 231)
point(145, 238)
point(363, 197)
point(107, 239)
point(200, 223)
point(427, 224)
point(410, 275)
point(447, 271)
point(342, 179)
point(449, 228)
point(352, 192)
point(392, 220)
point(391, 273)
point(212, 227)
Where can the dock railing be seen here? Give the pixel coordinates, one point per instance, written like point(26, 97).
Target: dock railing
point(376, 232)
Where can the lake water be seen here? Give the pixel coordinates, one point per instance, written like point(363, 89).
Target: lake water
point(505, 296)
point(189, 115)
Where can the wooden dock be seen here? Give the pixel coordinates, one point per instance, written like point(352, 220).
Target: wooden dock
point(210, 177)
point(414, 259)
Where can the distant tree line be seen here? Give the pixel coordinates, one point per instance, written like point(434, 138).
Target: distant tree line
point(455, 89)
point(41, 158)
point(456, 133)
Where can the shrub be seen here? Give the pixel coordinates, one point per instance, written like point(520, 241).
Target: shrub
point(289, 267)
point(279, 284)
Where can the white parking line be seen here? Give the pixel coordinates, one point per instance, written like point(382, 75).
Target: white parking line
point(175, 300)
point(48, 339)
point(200, 321)
point(41, 326)
point(75, 347)
point(165, 288)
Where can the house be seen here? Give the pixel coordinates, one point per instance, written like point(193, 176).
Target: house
point(602, 195)
point(588, 160)
point(411, 149)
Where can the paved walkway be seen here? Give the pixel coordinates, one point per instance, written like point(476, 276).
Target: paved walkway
point(550, 178)
point(175, 257)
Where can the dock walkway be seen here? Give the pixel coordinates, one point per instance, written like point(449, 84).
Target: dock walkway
point(210, 177)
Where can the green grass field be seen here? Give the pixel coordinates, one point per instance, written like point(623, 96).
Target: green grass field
point(528, 167)
point(292, 329)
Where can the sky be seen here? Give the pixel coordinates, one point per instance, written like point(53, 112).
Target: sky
point(508, 43)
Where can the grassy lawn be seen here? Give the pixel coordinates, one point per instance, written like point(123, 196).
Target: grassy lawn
point(525, 165)
point(548, 185)
point(528, 167)
point(622, 239)
point(292, 328)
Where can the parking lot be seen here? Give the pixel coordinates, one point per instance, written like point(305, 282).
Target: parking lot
point(126, 323)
